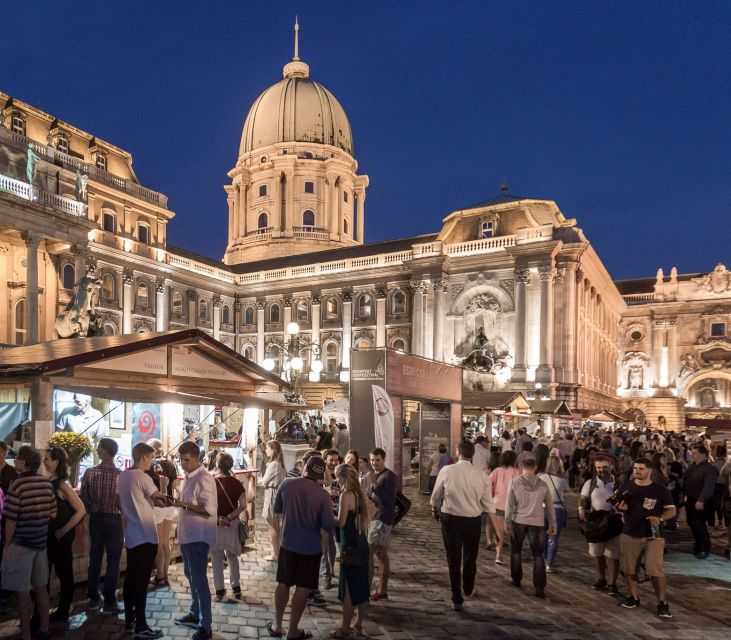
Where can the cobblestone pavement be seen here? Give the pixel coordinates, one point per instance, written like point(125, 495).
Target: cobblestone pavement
point(698, 592)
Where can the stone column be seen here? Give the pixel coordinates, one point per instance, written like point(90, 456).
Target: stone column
point(522, 280)
point(127, 230)
point(80, 252)
point(361, 215)
point(276, 216)
point(417, 317)
point(334, 224)
point(657, 345)
point(32, 241)
point(381, 318)
point(216, 318)
point(237, 321)
point(289, 209)
point(287, 316)
point(127, 301)
point(260, 307)
point(192, 310)
point(161, 308)
point(316, 321)
point(571, 280)
point(450, 338)
point(440, 289)
point(231, 202)
point(545, 360)
point(244, 211)
point(347, 299)
point(672, 352)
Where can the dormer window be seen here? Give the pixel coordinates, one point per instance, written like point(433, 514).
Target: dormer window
point(101, 161)
point(487, 229)
point(17, 123)
point(309, 187)
point(62, 145)
point(262, 190)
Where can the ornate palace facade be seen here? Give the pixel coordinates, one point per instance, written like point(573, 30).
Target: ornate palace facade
point(510, 275)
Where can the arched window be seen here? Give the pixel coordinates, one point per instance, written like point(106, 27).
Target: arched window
point(399, 345)
point(302, 311)
point(203, 310)
point(274, 314)
point(331, 357)
point(177, 303)
point(110, 329)
point(108, 287)
point(363, 343)
point(69, 276)
point(142, 295)
point(398, 302)
point(263, 221)
point(308, 218)
point(226, 314)
point(249, 352)
point(20, 330)
point(249, 316)
point(365, 306)
point(331, 309)
point(345, 227)
point(273, 353)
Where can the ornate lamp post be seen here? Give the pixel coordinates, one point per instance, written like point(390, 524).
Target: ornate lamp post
point(291, 357)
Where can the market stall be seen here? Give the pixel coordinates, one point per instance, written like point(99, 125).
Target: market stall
point(498, 410)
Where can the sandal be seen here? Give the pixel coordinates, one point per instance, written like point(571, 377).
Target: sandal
point(272, 632)
point(357, 629)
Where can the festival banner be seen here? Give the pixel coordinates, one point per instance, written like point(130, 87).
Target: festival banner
point(367, 368)
point(384, 423)
point(435, 430)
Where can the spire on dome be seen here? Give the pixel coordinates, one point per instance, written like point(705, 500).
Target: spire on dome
point(296, 68)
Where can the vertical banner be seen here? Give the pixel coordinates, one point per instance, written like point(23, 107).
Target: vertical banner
point(145, 422)
point(435, 430)
point(384, 422)
point(367, 368)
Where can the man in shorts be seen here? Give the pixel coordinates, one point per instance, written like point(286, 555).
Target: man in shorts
point(305, 509)
point(383, 494)
point(593, 497)
point(646, 505)
point(29, 506)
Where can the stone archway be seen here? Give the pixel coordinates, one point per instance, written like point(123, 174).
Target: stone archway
point(707, 389)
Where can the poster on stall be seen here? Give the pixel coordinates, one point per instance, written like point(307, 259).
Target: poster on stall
point(367, 368)
point(435, 430)
point(145, 422)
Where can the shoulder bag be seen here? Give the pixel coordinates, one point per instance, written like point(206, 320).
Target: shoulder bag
point(600, 526)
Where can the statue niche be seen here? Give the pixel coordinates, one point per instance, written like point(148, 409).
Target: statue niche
point(79, 319)
point(482, 348)
point(635, 376)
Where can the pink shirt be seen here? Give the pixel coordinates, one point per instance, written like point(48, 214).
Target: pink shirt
point(501, 479)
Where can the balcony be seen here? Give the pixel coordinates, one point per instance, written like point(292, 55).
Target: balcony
point(51, 155)
point(33, 194)
point(311, 232)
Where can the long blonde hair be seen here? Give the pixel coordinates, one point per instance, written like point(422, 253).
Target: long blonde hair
point(277, 454)
point(348, 478)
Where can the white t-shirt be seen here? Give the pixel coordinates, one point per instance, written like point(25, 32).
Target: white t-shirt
point(599, 495)
point(505, 445)
point(435, 464)
point(481, 458)
point(134, 488)
point(556, 485)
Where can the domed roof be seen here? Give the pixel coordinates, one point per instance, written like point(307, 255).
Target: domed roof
point(296, 109)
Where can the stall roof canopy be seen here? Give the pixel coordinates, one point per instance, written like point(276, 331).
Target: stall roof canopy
point(605, 416)
point(502, 400)
point(551, 407)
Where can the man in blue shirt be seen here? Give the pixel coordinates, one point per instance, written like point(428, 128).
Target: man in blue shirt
point(306, 508)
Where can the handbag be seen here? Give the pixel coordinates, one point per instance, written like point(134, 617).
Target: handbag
point(401, 507)
point(243, 530)
point(601, 526)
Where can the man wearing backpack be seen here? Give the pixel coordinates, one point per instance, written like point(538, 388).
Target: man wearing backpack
point(593, 497)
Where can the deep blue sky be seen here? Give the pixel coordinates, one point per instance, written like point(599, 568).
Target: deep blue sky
point(619, 111)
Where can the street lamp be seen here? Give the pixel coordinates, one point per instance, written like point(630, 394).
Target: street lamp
point(291, 354)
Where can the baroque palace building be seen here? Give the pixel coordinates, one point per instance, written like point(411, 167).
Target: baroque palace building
point(511, 275)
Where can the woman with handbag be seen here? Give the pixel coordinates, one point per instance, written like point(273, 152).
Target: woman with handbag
point(273, 478)
point(231, 497)
point(557, 485)
point(353, 586)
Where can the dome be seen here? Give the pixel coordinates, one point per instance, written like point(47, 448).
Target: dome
point(296, 109)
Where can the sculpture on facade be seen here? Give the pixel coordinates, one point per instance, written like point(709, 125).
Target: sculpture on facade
point(718, 281)
point(689, 364)
point(79, 319)
point(81, 181)
point(635, 376)
point(484, 356)
point(30, 165)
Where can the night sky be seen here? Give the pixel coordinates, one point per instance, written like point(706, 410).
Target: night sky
point(618, 111)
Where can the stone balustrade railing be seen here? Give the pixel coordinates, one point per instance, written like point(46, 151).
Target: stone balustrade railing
point(638, 298)
point(199, 267)
point(54, 156)
point(483, 245)
point(33, 194)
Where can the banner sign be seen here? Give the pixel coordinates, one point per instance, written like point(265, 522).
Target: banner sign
point(367, 368)
point(414, 377)
point(146, 423)
point(435, 430)
point(383, 418)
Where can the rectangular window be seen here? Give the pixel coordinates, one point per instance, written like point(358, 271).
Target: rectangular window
point(143, 234)
point(718, 329)
point(262, 190)
point(62, 145)
point(108, 223)
point(345, 196)
point(487, 229)
point(18, 125)
point(101, 162)
point(309, 187)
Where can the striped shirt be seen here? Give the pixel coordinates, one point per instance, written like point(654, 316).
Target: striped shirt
point(99, 489)
point(30, 503)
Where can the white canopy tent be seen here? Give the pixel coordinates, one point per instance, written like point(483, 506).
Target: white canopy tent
point(340, 410)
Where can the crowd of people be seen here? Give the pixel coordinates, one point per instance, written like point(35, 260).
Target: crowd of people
point(631, 486)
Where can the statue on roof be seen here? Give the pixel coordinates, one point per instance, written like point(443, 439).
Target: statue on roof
point(79, 319)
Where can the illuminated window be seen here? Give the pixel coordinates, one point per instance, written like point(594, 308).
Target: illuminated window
point(20, 330)
point(262, 190)
point(203, 310)
point(399, 345)
point(331, 309)
point(487, 229)
point(109, 222)
point(108, 286)
point(226, 314)
point(365, 306)
point(718, 330)
point(101, 161)
point(274, 314)
point(309, 187)
point(302, 311)
point(62, 145)
point(143, 233)
point(69, 276)
point(249, 316)
point(331, 357)
point(308, 218)
point(18, 125)
point(249, 352)
point(263, 221)
point(398, 302)
point(177, 302)
point(142, 295)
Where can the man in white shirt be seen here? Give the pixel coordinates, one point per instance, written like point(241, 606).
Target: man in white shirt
point(197, 534)
point(136, 493)
point(461, 495)
point(482, 453)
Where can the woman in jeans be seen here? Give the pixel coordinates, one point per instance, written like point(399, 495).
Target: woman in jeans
point(557, 485)
point(273, 477)
point(500, 480)
point(70, 512)
point(231, 497)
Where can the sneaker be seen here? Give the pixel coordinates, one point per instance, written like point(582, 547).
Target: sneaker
point(95, 603)
point(663, 610)
point(220, 593)
point(457, 607)
point(203, 634)
point(631, 603)
point(111, 609)
point(237, 592)
point(703, 555)
point(613, 591)
point(599, 585)
point(188, 620)
point(315, 599)
point(472, 595)
point(540, 593)
point(550, 569)
point(146, 633)
point(499, 560)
